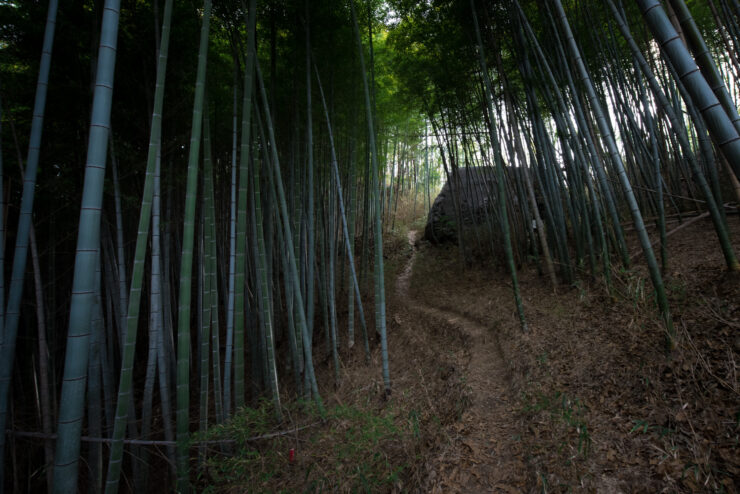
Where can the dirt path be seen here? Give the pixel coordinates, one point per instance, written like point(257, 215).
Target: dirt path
point(482, 454)
point(587, 400)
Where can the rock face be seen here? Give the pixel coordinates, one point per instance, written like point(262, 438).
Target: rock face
point(472, 187)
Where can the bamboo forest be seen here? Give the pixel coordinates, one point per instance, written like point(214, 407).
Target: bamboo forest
point(435, 246)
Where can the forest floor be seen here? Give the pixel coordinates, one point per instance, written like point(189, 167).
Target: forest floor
point(587, 400)
point(481, 454)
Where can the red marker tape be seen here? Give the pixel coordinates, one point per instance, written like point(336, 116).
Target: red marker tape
point(291, 455)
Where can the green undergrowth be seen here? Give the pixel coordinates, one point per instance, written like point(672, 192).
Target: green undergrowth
point(558, 439)
point(566, 414)
point(350, 449)
point(633, 287)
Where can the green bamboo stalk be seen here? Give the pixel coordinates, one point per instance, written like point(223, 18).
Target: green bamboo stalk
point(43, 352)
point(256, 324)
point(229, 353)
point(719, 123)
point(311, 233)
point(211, 271)
point(658, 179)
point(351, 221)
point(148, 399)
point(706, 63)
point(207, 303)
point(499, 170)
point(263, 279)
point(94, 420)
point(541, 233)
point(679, 131)
point(241, 222)
point(296, 355)
point(121, 258)
point(3, 407)
point(107, 355)
point(552, 206)
point(278, 183)
point(329, 220)
point(11, 314)
point(137, 278)
point(294, 334)
point(72, 402)
point(157, 316)
point(186, 265)
point(380, 322)
point(616, 159)
point(2, 245)
point(606, 191)
point(347, 231)
point(596, 159)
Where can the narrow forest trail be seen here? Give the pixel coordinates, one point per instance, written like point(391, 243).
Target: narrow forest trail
point(587, 400)
point(481, 454)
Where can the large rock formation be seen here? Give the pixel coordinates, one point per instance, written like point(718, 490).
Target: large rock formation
point(473, 189)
